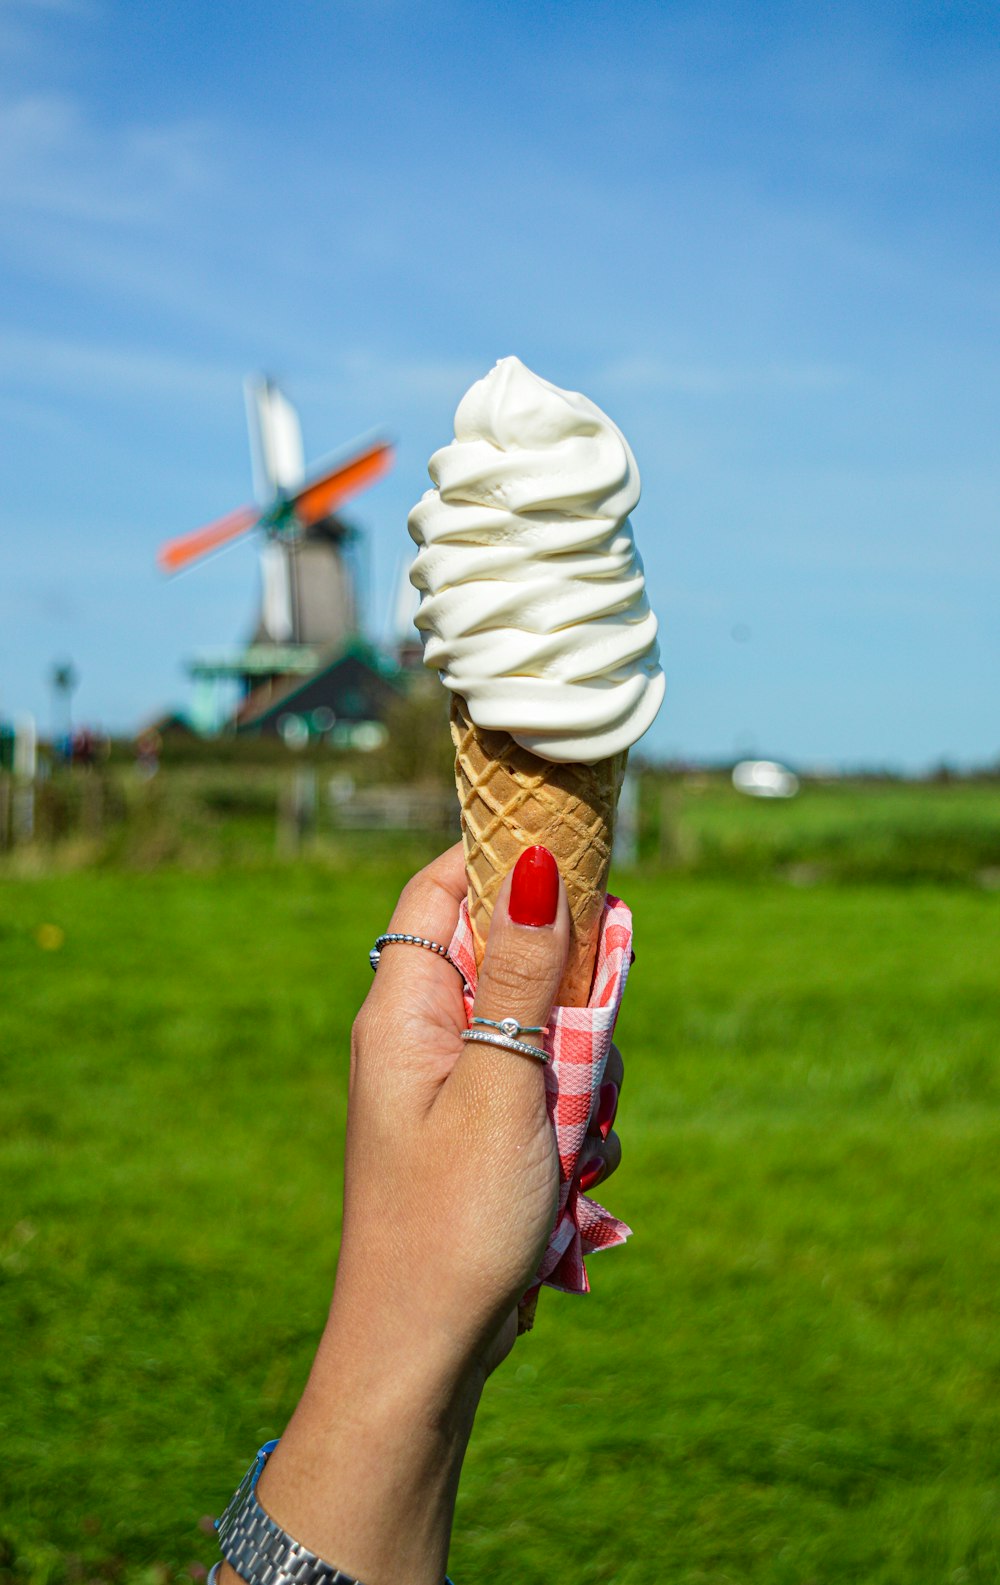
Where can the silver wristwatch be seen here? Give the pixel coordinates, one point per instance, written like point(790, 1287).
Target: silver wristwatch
point(259, 1550)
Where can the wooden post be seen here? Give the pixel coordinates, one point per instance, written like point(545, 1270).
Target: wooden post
point(297, 806)
point(93, 802)
point(669, 843)
point(626, 848)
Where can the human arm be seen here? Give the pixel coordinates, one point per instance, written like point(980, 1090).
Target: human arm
point(451, 1178)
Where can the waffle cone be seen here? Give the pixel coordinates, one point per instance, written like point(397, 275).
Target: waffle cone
point(511, 799)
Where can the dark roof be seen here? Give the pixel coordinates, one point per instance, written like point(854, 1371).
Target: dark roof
point(170, 723)
point(358, 686)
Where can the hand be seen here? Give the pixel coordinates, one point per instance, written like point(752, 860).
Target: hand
point(450, 1196)
point(452, 1171)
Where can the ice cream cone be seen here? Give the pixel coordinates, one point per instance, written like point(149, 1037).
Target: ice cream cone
point(534, 612)
point(512, 799)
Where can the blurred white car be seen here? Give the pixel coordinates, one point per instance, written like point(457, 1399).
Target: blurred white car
point(764, 778)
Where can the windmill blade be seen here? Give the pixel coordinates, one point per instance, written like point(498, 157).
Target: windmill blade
point(321, 495)
point(275, 440)
point(180, 552)
point(401, 620)
point(276, 592)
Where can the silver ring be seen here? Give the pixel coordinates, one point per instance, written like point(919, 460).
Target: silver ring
point(485, 1038)
point(399, 937)
point(511, 1028)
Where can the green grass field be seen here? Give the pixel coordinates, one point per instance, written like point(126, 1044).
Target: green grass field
point(792, 1373)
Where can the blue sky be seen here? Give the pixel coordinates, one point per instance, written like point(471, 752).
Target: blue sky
point(762, 236)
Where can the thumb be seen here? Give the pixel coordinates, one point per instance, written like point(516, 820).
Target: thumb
point(524, 962)
point(526, 946)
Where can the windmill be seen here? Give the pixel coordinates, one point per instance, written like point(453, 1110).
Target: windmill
point(308, 608)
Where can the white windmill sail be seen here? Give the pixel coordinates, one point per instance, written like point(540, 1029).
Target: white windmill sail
point(278, 461)
point(276, 597)
point(275, 439)
point(404, 606)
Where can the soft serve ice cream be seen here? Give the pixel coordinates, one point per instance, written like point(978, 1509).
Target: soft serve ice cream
point(533, 601)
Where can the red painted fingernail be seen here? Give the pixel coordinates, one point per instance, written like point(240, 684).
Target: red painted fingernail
point(592, 1173)
point(534, 889)
point(607, 1106)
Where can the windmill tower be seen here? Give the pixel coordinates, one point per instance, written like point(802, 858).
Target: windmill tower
point(308, 604)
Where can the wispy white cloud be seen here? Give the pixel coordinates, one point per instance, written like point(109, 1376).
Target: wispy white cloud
point(64, 366)
point(707, 380)
point(375, 374)
point(56, 161)
point(52, 365)
point(25, 26)
point(60, 7)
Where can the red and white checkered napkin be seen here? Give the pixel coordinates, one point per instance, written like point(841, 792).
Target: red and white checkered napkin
point(578, 1043)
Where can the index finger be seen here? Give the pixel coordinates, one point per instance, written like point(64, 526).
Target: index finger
point(428, 907)
point(433, 897)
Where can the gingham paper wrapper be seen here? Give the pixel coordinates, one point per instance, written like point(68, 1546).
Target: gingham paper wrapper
point(578, 1043)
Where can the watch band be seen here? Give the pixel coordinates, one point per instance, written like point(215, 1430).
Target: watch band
point(259, 1550)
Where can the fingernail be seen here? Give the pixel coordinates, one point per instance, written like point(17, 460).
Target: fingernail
point(607, 1106)
point(592, 1172)
point(534, 889)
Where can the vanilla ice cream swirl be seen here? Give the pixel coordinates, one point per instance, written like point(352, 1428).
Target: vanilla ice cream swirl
point(533, 600)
